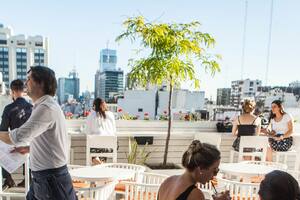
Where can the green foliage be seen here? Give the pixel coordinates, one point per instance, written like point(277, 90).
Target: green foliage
point(173, 48)
point(137, 155)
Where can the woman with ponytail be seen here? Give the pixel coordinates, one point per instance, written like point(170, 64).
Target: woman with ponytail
point(100, 122)
point(201, 162)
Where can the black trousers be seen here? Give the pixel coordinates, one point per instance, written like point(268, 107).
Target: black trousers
point(54, 184)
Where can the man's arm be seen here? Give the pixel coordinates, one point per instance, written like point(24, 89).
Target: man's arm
point(4, 137)
point(5, 120)
point(41, 120)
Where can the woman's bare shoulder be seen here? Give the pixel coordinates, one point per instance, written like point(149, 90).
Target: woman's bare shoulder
point(170, 180)
point(196, 194)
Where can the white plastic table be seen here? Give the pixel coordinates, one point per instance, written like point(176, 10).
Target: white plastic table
point(245, 170)
point(101, 174)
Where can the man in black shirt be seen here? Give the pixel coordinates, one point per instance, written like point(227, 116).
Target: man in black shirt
point(15, 115)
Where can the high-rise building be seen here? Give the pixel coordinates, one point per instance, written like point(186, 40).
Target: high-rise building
point(68, 88)
point(294, 84)
point(108, 60)
point(18, 53)
point(111, 85)
point(242, 89)
point(109, 79)
point(97, 84)
point(223, 96)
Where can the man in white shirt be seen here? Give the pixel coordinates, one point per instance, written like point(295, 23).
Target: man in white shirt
point(46, 132)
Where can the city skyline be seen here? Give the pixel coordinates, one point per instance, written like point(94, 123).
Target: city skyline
point(77, 31)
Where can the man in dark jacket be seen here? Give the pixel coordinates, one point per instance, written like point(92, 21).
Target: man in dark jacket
point(15, 115)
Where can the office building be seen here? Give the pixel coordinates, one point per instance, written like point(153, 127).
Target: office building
point(110, 85)
point(19, 52)
point(108, 79)
point(241, 89)
point(108, 60)
point(68, 88)
point(223, 96)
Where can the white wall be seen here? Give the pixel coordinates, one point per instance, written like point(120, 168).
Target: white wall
point(182, 100)
point(138, 99)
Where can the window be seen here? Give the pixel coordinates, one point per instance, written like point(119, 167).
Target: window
point(21, 42)
point(251, 83)
point(39, 51)
point(3, 42)
point(140, 109)
point(21, 50)
point(38, 44)
point(105, 58)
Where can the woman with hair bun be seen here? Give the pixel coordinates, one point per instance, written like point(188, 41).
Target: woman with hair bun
point(201, 162)
point(247, 124)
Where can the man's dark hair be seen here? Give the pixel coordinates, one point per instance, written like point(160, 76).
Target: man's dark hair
point(45, 77)
point(279, 185)
point(17, 85)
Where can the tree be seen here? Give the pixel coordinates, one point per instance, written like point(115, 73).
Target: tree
point(172, 49)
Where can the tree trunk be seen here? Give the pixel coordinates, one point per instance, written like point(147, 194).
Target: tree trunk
point(169, 126)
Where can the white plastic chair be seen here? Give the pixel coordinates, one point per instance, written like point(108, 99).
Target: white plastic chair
point(207, 190)
point(139, 169)
point(146, 189)
point(103, 192)
point(255, 142)
point(239, 190)
point(210, 138)
point(100, 141)
point(12, 194)
point(294, 151)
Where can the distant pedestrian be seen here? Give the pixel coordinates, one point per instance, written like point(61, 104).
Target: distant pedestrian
point(13, 116)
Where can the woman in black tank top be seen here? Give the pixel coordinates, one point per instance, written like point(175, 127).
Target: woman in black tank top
point(250, 125)
point(201, 162)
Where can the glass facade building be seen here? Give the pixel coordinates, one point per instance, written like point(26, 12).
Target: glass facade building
point(68, 88)
point(111, 84)
point(108, 60)
point(4, 63)
point(108, 80)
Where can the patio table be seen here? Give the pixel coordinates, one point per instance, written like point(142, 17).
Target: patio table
point(245, 170)
point(100, 174)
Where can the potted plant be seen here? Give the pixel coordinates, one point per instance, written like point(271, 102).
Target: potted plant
point(172, 49)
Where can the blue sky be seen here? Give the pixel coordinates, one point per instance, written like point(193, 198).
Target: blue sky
point(77, 30)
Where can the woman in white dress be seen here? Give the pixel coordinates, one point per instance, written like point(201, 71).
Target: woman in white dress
point(100, 122)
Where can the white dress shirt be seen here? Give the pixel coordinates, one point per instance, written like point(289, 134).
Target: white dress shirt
point(46, 133)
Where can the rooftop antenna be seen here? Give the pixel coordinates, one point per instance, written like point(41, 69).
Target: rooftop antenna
point(269, 44)
point(244, 39)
